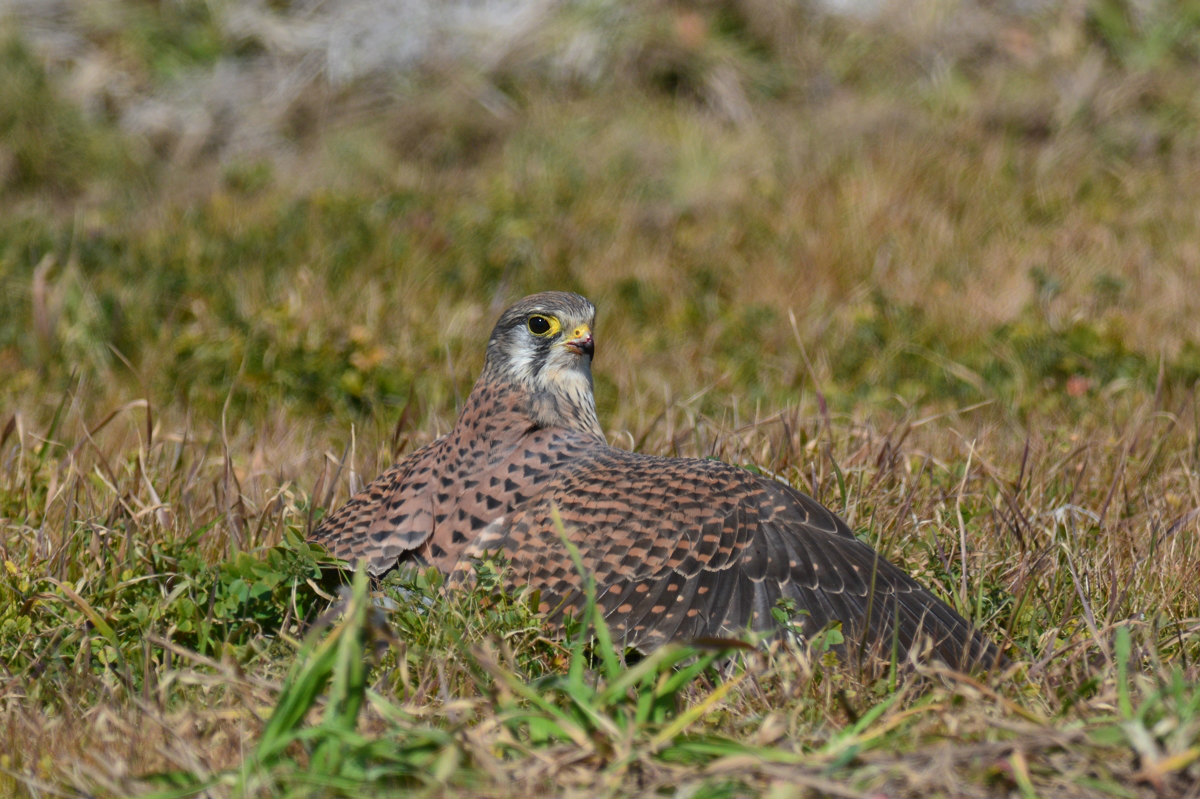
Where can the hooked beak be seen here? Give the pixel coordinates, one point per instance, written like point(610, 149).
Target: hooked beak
point(580, 341)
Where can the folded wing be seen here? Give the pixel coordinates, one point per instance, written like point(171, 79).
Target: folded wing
point(682, 549)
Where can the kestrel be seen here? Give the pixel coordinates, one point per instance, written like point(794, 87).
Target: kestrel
point(680, 549)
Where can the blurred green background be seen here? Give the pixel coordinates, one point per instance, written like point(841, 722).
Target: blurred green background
point(316, 209)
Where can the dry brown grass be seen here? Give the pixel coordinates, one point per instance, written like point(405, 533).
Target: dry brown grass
point(942, 282)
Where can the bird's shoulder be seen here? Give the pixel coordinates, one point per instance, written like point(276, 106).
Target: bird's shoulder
point(387, 517)
point(605, 480)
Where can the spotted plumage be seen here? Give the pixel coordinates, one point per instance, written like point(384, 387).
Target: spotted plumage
point(680, 548)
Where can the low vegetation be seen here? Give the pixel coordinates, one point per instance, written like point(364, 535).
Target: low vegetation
point(936, 269)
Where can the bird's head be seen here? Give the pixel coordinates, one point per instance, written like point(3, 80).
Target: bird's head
point(543, 345)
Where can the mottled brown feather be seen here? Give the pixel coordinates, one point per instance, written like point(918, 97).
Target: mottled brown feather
point(679, 548)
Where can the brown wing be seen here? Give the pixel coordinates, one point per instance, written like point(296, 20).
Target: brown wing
point(682, 549)
point(435, 502)
point(391, 516)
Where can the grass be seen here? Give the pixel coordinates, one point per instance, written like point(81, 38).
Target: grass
point(943, 283)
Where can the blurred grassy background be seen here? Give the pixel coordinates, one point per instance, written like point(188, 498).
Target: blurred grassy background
point(955, 204)
point(936, 261)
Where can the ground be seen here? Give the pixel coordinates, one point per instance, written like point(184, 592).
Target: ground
point(935, 266)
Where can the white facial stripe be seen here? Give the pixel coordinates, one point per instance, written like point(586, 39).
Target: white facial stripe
point(521, 360)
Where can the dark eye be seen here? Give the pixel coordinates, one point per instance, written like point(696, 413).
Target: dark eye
point(538, 325)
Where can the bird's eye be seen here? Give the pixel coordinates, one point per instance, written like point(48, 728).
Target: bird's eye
point(542, 325)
